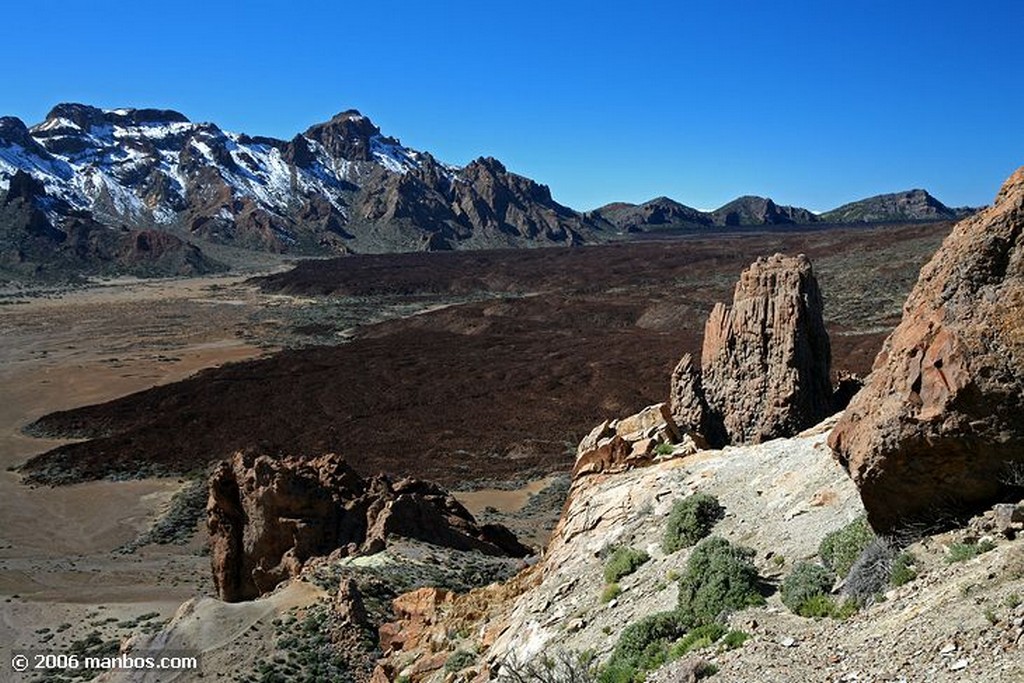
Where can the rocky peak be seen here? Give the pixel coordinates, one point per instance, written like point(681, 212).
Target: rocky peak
point(936, 430)
point(13, 131)
point(752, 210)
point(143, 117)
point(83, 116)
point(765, 360)
point(347, 136)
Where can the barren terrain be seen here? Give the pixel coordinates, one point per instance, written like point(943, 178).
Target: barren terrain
point(481, 370)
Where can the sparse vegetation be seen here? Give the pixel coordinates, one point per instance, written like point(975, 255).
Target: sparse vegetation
point(903, 569)
point(961, 552)
point(699, 638)
point(734, 639)
point(690, 520)
point(623, 562)
point(562, 667)
point(840, 549)
point(664, 449)
point(610, 592)
point(805, 591)
point(643, 646)
point(871, 573)
point(459, 660)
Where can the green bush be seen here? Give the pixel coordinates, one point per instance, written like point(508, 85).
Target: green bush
point(734, 639)
point(719, 578)
point(664, 449)
point(623, 562)
point(840, 549)
point(690, 520)
point(903, 571)
point(960, 552)
point(642, 647)
point(805, 583)
point(697, 639)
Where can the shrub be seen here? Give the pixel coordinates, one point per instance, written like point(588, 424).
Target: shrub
point(562, 667)
point(638, 636)
point(719, 578)
point(960, 552)
point(459, 660)
point(690, 520)
point(734, 639)
point(840, 549)
point(903, 571)
point(872, 570)
point(623, 562)
point(806, 584)
point(664, 449)
point(610, 592)
point(699, 638)
point(642, 647)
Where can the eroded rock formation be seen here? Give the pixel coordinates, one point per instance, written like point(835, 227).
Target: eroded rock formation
point(765, 360)
point(267, 517)
point(939, 425)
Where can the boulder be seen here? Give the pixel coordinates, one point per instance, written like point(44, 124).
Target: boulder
point(765, 360)
point(937, 428)
point(267, 517)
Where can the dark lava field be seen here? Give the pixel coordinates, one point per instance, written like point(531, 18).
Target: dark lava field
point(501, 388)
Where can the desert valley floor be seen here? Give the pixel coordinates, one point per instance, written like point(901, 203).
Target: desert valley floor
point(477, 369)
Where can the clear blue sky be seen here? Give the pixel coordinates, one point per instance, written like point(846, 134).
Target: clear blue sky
point(811, 103)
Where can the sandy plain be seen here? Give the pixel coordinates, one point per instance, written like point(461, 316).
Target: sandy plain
point(58, 559)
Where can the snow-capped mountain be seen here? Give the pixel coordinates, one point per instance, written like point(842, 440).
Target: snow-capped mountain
point(341, 186)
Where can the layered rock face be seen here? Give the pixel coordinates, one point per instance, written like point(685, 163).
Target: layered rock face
point(765, 360)
point(938, 426)
point(267, 517)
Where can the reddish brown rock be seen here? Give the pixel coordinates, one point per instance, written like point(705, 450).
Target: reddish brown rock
point(765, 360)
point(939, 423)
point(618, 445)
point(267, 517)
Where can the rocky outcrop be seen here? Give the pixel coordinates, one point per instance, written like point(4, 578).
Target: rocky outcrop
point(938, 425)
point(619, 445)
point(267, 517)
point(765, 360)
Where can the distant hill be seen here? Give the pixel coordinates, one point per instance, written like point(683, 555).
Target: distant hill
point(657, 214)
point(663, 213)
point(911, 205)
point(750, 210)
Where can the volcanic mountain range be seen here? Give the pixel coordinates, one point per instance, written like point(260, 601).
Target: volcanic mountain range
point(161, 185)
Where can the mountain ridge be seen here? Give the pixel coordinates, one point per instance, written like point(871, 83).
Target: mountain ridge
point(342, 186)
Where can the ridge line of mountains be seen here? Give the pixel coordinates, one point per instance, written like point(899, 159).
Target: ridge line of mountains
point(149, 192)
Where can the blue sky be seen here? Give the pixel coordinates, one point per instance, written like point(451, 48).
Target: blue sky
point(811, 103)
